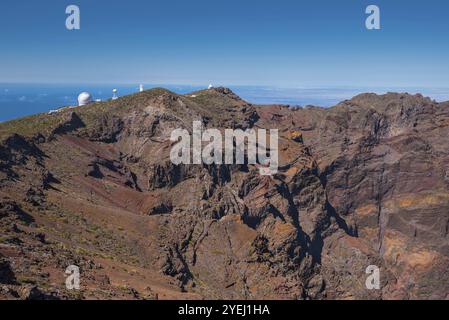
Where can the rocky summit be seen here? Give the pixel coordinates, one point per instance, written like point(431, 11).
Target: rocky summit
point(364, 183)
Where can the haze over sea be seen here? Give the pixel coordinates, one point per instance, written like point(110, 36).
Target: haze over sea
point(18, 100)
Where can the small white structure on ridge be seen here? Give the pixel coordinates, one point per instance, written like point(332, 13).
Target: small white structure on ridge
point(141, 88)
point(84, 98)
point(210, 86)
point(114, 94)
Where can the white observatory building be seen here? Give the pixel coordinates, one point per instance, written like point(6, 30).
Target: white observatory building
point(210, 86)
point(114, 94)
point(141, 89)
point(84, 98)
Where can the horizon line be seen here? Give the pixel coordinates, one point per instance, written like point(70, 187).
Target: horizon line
point(292, 87)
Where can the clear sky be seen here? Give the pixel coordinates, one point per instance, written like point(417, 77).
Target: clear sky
point(235, 42)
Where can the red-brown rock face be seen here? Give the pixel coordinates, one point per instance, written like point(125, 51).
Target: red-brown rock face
point(363, 183)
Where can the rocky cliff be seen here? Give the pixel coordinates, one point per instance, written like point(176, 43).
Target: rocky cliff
point(363, 183)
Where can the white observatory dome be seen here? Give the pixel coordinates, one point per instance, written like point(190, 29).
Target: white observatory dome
point(84, 98)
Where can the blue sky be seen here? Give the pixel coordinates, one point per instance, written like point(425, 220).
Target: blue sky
point(275, 43)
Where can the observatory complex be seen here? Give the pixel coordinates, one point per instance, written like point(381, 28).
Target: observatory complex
point(85, 98)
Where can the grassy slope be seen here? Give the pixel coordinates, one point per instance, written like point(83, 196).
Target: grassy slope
point(44, 123)
point(207, 102)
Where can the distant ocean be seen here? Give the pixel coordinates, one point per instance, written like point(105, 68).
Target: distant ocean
point(18, 100)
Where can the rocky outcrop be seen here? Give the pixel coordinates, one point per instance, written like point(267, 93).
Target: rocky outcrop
point(10, 211)
point(6, 274)
point(71, 123)
point(106, 129)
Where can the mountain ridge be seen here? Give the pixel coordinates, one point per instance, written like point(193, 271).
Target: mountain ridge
point(362, 183)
